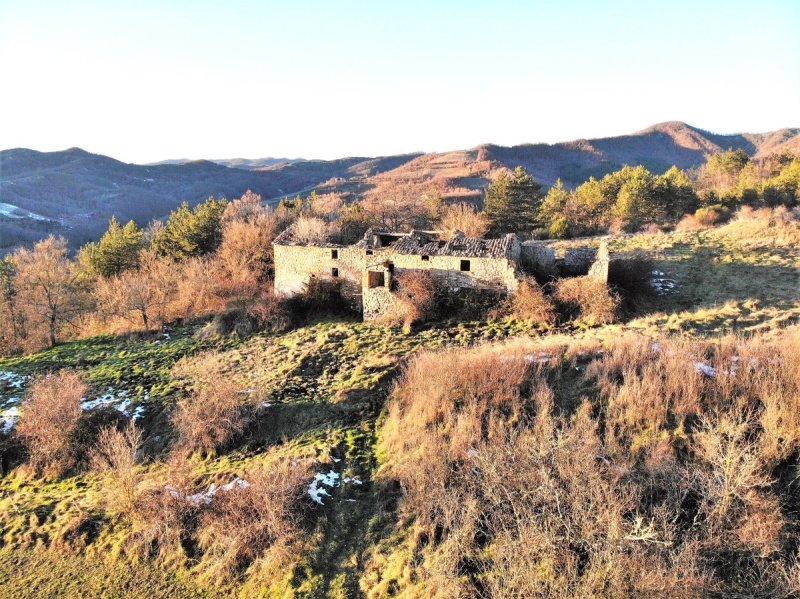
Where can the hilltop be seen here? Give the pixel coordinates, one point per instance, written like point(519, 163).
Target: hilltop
point(639, 478)
point(74, 192)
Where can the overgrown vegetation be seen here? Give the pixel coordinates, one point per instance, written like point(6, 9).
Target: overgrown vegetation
point(662, 467)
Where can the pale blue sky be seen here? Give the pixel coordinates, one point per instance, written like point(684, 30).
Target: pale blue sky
point(144, 81)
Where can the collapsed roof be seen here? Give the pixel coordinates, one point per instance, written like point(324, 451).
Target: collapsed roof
point(423, 243)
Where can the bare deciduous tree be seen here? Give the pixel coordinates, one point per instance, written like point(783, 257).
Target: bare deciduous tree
point(47, 285)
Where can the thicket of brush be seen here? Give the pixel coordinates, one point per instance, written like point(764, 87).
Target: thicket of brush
point(639, 469)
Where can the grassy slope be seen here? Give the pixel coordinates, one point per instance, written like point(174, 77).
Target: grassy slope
point(326, 384)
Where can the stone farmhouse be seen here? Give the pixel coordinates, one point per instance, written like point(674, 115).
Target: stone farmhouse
point(366, 269)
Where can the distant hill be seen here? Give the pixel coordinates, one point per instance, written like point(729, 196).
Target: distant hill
point(74, 193)
point(246, 163)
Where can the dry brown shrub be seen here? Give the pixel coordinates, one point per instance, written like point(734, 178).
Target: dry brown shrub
point(116, 455)
point(418, 294)
point(675, 480)
point(594, 301)
point(530, 303)
point(465, 218)
point(257, 523)
point(49, 420)
point(736, 504)
point(211, 416)
point(163, 522)
point(310, 229)
point(689, 223)
point(505, 491)
point(707, 217)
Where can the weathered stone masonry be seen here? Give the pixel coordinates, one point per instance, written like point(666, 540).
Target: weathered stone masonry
point(366, 269)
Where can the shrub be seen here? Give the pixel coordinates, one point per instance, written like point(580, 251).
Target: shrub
point(709, 215)
point(320, 296)
point(506, 492)
point(310, 229)
point(261, 521)
point(671, 480)
point(265, 312)
point(530, 303)
point(116, 455)
point(163, 523)
point(418, 293)
point(211, 416)
point(465, 218)
point(49, 420)
point(594, 302)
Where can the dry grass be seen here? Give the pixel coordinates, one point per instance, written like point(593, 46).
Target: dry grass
point(668, 479)
point(593, 301)
point(49, 421)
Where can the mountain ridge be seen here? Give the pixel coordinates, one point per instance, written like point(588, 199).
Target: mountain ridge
point(76, 191)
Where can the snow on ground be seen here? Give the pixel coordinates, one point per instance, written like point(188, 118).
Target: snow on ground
point(12, 379)
point(12, 211)
point(664, 286)
point(207, 496)
point(316, 491)
point(119, 400)
point(705, 369)
point(8, 419)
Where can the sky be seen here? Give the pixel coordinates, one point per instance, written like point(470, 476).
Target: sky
point(152, 80)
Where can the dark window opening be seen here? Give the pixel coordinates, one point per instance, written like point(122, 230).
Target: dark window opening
point(426, 258)
point(390, 268)
point(334, 272)
point(369, 252)
point(375, 279)
point(335, 254)
point(465, 266)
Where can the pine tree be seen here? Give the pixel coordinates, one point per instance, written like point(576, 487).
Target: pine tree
point(191, 232)
point(512, 202)
point(117, 251)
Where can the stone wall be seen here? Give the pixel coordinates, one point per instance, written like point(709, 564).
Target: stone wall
point(538, 258)
point(295, 265)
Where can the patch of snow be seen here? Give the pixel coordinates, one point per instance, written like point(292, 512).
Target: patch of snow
point(316, 491)
point(347, 480)
point(705, 369)
point(657, 273)
point(118, 400)
point(266, 404)
point(12, 379)
point(8, 418)
point(537, 358)
point(207, 496)
point(12, 211)
point(664, 286)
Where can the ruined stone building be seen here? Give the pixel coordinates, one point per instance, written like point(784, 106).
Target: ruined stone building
point(366, 269)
